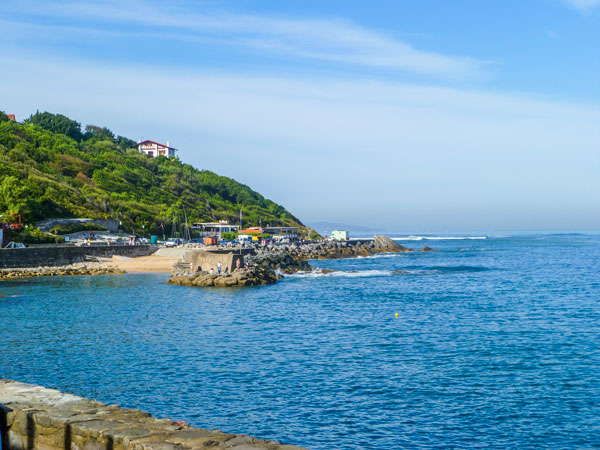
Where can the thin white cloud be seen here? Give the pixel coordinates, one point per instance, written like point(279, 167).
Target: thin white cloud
point(382, 151)
point(583, 5)
point(325, 40)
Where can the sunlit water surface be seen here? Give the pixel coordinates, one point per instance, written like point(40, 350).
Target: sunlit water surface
point(496, 344)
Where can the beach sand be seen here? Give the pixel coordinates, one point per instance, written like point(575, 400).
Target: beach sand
point(149, 264)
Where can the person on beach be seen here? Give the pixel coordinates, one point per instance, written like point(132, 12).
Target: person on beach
point(219, 267)
point(211, 271)
point(237, 264)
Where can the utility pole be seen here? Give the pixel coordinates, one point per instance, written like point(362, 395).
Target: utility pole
point(174, 227)
point(186, 234)
point(241, 219)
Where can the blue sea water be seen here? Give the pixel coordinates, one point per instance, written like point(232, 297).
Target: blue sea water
point(496, 345)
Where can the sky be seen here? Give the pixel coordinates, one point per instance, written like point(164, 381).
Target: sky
point(401, 115)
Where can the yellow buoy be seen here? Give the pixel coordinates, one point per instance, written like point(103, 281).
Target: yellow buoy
point(397, 315)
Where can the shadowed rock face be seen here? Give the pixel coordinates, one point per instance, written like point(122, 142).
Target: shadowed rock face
point(33, 417)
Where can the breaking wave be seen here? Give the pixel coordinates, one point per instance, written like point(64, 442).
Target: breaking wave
point(380, 256)
point(437, 238)
point(342, 273)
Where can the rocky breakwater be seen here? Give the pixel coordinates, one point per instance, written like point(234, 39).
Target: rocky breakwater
point(292, 258)
point(269, 263)
point(252, 276)
point(71, 269)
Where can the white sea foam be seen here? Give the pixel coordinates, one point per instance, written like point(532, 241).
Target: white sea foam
point(381, 255)
point(342, 274)
point(437, 238)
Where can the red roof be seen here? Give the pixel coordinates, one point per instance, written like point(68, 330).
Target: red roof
point(251, 230)
point(157, 143)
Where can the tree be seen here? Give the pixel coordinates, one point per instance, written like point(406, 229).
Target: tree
point(57, 123)
point(13, 196)
point(96, 131)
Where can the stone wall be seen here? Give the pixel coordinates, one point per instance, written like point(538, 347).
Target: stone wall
point(210, 260)
point(36, 418)
point(55, 255)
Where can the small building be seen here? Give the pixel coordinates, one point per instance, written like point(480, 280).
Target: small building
point(282, 233)
point(214, 228)
point(340, 235)
point(154, 149)
point(11, 117)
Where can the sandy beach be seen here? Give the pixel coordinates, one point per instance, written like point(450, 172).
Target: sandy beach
point(151, 263)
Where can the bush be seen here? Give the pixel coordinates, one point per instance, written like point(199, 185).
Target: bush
point(229, 235)
point(32, 236)
point(68, 228)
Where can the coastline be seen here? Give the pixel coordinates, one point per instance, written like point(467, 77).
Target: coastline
point(286, 259)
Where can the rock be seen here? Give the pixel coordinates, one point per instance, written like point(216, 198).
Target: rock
point(383, 242)
point(428, 249)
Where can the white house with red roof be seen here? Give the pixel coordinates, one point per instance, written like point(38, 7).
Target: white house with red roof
point(154, 149)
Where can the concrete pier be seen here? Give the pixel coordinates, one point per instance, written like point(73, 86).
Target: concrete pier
point(33, 417)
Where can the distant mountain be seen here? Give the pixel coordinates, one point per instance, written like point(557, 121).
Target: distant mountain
point(51, 168)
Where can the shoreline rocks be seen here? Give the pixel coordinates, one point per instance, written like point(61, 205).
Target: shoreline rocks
point(71, 269)
point(271, 262)
point(253, 276)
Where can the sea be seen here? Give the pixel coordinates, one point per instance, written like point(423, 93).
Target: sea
point(492, 341)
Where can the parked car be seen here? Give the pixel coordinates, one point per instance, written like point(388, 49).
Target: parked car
point(173, 242)
point(14, 245)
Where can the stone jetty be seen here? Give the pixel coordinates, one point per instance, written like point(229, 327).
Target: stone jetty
point(36, 418)
point(266, 264)
point(71, 269)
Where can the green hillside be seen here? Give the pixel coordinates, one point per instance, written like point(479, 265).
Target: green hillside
point(50, 167)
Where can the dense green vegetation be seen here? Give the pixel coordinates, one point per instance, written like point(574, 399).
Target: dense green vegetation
point(50, 168)
point(68, 228)
point(32, 235)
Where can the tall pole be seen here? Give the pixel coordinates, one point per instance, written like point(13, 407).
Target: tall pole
point(187, 227)
point(241, 219)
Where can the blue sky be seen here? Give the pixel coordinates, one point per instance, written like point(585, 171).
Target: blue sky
point(403, 115)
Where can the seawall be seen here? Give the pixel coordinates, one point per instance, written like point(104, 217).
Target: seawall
point(36, 418)
point(57, 255)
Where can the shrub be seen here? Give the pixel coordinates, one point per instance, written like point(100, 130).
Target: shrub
point(33, 235)
point(74, 227)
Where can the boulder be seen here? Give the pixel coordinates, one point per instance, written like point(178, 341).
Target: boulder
point(384, 243)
